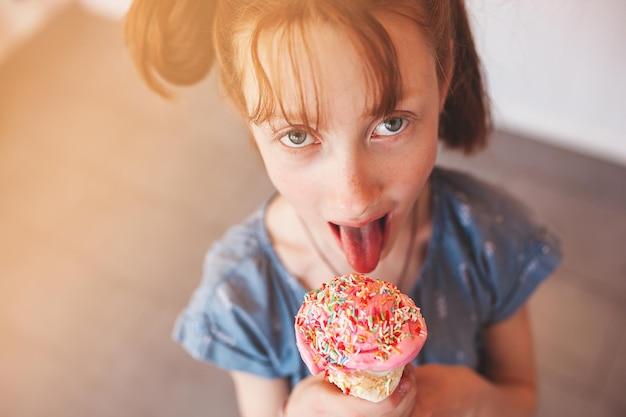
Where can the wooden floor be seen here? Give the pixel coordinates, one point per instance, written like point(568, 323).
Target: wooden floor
point(110, 196)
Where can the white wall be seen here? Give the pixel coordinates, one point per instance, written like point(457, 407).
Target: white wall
point(556, 69)
point(113, 9)
point(20, 19)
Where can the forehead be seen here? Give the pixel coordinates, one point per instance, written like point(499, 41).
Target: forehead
point(299, 71)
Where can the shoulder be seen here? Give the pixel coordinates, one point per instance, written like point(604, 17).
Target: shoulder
point(241, 268)
point(465, 192)
point(485, 211)
point(242, 247)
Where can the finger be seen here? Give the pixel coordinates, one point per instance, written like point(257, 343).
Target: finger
point(404, 396)
point(401, 402)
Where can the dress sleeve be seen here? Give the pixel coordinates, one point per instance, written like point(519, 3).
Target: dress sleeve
point(234, 319)
point(533, 257)
point(215, 329)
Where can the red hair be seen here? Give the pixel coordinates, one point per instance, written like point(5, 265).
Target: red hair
point(178, 41)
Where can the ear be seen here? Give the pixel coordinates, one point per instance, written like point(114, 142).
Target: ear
point(446, 81)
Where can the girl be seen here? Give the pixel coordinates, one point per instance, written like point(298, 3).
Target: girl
point(346, 101)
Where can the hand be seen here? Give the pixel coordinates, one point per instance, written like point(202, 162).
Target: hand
point(448, 391)
point(508, 390)
point(315, 396)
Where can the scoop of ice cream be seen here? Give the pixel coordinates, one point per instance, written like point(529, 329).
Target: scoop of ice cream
point(354, 322)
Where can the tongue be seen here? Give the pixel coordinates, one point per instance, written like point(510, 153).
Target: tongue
point(362, 246)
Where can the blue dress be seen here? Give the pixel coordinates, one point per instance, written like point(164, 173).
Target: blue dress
point(485, 257)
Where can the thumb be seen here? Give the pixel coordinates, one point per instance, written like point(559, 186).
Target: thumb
point(401, 402)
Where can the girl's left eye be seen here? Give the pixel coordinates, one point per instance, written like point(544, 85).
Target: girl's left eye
point(390, 127)
point(296, 139)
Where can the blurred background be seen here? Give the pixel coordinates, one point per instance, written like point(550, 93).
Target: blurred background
point(110, 197)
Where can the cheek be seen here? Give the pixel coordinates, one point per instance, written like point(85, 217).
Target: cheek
point(292, 177)
point(290, 181)
point(285, 182)
point(412, 168)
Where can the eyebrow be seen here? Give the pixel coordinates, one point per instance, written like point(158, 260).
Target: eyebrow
point(278, 118)
point(415, 95)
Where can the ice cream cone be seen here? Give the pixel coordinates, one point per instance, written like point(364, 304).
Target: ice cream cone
point(373, 386)
point(360, 332)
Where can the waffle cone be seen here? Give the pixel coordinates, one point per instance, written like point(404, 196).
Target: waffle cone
point(373, 386)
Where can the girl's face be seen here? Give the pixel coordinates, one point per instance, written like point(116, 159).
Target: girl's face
point(353, 178)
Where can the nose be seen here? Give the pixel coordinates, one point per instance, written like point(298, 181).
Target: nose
point(353, 186)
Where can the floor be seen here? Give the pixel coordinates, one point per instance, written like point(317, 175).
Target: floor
point(110, 197)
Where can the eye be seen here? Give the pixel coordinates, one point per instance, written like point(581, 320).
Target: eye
point(391, 126)
point(296, 139)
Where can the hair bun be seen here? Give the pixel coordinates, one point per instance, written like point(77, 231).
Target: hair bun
point(171, 39)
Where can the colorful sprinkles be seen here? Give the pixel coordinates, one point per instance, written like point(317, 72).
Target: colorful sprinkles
point(355, 313)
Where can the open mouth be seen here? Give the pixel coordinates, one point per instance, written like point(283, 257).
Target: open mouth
point(362, 245)
point(337, 229)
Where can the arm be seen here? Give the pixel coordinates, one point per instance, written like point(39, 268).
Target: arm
point(258, 396)
point(509, 364)
point(509, 388)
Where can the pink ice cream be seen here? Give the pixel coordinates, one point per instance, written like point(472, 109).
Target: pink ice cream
point(356, 323)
